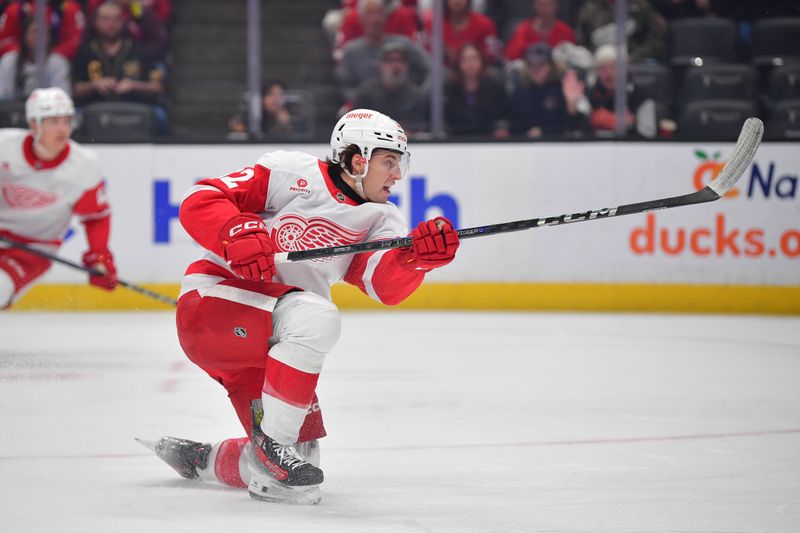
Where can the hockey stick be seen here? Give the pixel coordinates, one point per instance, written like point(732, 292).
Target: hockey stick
point(92, 271)
point(743, 153)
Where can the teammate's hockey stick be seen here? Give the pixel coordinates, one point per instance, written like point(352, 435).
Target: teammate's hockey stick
point(746, 146)
point(92, 271)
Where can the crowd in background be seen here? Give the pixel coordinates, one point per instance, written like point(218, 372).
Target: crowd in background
point(529, 67)
point(523, 68)
point(98, 51)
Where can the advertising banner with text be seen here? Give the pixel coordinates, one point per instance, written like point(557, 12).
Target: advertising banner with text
point(751, 237)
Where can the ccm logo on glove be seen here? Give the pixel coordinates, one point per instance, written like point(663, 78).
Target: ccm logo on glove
point(247, 248)
point(247, 226)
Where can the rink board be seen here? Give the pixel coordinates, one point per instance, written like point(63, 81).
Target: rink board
point(741, 253)
point(477, 297)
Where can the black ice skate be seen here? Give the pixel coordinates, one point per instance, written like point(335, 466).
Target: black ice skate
point(184, 456)
point(281, 460)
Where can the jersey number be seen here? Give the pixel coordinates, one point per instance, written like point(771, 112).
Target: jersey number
point(232, 179)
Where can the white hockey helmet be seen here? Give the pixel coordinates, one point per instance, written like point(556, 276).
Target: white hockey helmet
point(369, 130)
point(49, 102)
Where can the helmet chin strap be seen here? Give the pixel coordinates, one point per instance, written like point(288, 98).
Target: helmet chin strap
point(359, 178)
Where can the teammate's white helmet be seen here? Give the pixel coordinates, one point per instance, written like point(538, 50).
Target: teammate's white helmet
point(50, 102)
point(369, 130)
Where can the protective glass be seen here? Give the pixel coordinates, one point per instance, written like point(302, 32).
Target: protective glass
point(392, 165)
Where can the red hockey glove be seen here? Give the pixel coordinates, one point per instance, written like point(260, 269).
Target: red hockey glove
point(103, 261)
point(247, 248)
point(434, 244)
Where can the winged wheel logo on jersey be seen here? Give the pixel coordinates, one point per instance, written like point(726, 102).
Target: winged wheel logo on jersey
point(23, 197)
point(292, 233)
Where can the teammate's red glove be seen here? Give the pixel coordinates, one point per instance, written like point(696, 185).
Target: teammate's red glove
point(247, 248)
point(434, 244)
point(103, 261)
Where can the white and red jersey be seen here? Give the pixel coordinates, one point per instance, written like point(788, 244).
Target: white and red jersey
point(38, 198)
point(303, 208)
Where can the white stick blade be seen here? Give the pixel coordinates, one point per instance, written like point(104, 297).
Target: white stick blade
point(743, 154)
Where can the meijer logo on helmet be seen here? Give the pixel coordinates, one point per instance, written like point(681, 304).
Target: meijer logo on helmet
point(358, 115)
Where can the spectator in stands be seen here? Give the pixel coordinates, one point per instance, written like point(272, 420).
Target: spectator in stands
point(475, 102)
point(544, 27)
point(393, 92)
point(146, 22)
point(506, 14)
point(360, 57)
point(542, 101)
point(396, 19)
point(645, 27)
point(18, 69)
point(601, 96)
point(162, 9)
point(276, 120)
point(65, 20)
point(462, 25)
point(111, 67)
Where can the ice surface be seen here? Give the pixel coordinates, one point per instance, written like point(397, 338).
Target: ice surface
point(438, 422)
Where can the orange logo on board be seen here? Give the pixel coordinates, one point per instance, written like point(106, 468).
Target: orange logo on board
point(708, 170)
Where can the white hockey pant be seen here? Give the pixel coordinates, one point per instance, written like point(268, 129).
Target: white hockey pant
point(305, 329)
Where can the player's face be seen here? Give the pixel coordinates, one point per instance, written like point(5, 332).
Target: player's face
point(55, 132)
point(383, 172)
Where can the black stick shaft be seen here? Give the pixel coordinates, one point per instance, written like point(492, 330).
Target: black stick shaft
point(92, 271)
point(704, 195)
point(743, 153)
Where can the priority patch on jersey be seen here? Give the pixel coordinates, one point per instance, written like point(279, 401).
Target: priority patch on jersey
point(302, 186)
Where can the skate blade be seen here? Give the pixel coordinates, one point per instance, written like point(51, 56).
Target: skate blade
point(149, 444)
point(276, 493)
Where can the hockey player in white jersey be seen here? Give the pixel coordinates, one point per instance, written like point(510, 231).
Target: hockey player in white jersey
point(45, 180)
point(263, 330)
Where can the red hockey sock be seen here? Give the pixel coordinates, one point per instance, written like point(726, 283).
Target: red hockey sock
point(226, 462)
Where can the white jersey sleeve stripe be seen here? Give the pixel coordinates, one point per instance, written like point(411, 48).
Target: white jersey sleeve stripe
point(198, 188)
point(242, 296)
point(193, 282)
point(372, 264)
point(95, 216)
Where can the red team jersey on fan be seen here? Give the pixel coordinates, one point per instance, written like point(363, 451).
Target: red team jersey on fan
point(38, 198)
point(69, 20)
point(526, 35)
point(401, 20)
point(479, 30)
point(303, 208)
